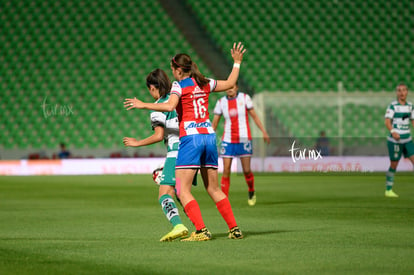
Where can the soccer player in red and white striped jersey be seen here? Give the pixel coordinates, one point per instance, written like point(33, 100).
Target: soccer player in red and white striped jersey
point(237, 140)
point(195, 119)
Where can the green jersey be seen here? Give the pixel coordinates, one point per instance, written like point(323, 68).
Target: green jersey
point(169, 121)
point(401, 116)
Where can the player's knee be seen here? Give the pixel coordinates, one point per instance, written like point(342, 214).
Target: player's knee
point(394, 164)
point(247, 172)
point(212, 190)
point(226, 174)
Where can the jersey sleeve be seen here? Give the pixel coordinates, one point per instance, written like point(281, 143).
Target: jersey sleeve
point(217, 109)
point(158, 119)
point(249, 102)
point(213, 84)
point(176, 89)
point(390, 112)
point(412, 113)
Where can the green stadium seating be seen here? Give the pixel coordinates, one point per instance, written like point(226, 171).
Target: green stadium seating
point(83, 55)
point(313, 45)
point(359, 38)
point(90, 55)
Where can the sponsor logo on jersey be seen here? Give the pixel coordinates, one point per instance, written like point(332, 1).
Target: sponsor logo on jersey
point(198, 125)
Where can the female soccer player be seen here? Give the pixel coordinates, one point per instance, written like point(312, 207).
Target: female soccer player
point(397, 120)
point(189, 96)
point(237, 139)
point(165, 126)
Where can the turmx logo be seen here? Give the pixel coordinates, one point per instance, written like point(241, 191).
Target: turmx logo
point(302, 154)
point(55, 109)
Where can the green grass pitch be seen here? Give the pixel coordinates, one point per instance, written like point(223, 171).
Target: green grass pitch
point(313, 223)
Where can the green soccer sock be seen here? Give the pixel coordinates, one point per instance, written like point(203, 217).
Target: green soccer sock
point(390, 178)
point(170, 209)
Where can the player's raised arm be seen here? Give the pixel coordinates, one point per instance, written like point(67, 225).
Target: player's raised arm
point(237, 53)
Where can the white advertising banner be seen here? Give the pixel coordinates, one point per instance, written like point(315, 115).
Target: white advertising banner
point(147, 165)
point(80, 166)
point(330, 164)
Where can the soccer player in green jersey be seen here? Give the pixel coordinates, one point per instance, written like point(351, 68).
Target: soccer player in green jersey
point(165, 126)
point(399, 115)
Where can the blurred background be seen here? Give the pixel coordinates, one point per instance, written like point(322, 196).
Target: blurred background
point(316, 66)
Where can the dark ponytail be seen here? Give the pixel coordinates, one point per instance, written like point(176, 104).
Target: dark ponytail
point(160, 80)
point(184, 62)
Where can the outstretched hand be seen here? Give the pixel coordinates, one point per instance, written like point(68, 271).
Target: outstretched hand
point(237, 52)
point(131, 103)
point(129, 141)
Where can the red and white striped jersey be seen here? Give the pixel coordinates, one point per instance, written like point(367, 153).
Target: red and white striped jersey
point(236, 117)
point(192, 109)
